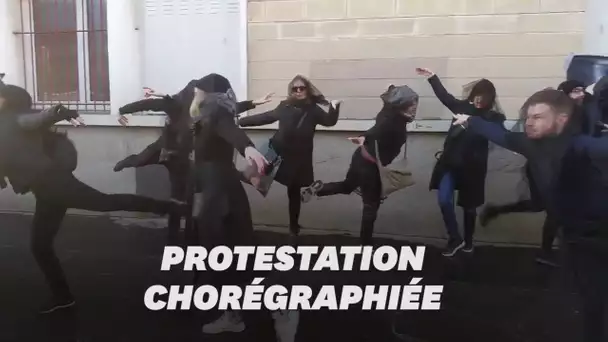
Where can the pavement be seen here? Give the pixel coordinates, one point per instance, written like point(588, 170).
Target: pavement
point(496, 294)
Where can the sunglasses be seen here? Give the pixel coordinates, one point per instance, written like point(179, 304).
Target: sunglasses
point(298, 89)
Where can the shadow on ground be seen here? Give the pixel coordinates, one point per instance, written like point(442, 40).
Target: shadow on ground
point(496, 294)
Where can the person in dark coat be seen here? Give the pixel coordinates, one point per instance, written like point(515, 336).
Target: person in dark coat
point(463, 164)
point(572, 189)
point(388, 134)
point(581, 118)
point(221, 206)
point(172, 148)
point(579, 123)
point(44, 166)
point(298, 117)
point(597, 105)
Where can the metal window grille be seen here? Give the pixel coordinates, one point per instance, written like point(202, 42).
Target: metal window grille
point(65, 53)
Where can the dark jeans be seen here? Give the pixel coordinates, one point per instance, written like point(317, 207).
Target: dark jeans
point(588, 258)
point(45, 226)
point(445, 194)
point(361, 174)
point(64, 189)
point(178, 168)
point(295, 203)
point(223, 218)
point(54, 196)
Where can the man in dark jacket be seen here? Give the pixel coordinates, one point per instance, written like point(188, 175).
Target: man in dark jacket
point(573, 191)
point(44, 165)
point(463, 164)
point(579, 122)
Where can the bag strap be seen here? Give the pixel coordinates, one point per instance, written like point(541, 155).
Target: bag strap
point(378, 162)
point(301, 120)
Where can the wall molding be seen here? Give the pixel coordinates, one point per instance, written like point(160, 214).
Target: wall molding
point(157, 121)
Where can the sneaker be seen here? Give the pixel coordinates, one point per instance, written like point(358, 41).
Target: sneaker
point(56, 305)
point(307, 193)
point(547, 259)
point(488, 214)
point(286, 325)
point(453, 247)
point(468, 247)
point(228, 322)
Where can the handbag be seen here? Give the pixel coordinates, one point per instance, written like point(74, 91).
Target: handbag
point(392, 179)
point(274, 160)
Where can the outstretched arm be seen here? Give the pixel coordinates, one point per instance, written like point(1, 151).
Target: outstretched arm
point(330, 118)
point(165, 104)
point(261, 119)
point(46, 118)
point(442, 94)
point(244, 106)
point(496, 133)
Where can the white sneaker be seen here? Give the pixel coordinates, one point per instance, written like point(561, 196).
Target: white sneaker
point(307, 193)
point(286, 325)
point(228, 322)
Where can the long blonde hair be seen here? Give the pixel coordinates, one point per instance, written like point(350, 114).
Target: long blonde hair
point(199, 97)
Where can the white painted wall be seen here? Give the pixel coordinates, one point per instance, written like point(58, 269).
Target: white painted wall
point(11, 55)
point(124, 53)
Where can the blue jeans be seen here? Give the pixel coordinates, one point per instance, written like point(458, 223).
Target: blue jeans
point(445, 197)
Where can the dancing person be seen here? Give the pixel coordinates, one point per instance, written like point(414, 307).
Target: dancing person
point(579, 122)
point(572, 190)
point(533, 204)
point(44, 166)
point(463, 164)
point(298, 117)
point(387, 136)
point(172, 148)
point(221, 205)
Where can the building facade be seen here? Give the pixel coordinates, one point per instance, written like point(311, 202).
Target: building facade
point(97, 55)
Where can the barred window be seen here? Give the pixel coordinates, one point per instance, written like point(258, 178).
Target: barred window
point(65, 50)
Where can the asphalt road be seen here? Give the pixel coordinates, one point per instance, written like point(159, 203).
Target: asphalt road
point(497, 294)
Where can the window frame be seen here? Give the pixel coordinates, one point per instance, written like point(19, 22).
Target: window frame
point(83, 57)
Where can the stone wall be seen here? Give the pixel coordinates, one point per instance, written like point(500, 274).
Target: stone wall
point(354, 48)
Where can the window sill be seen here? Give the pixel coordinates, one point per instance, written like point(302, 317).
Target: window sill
point(111, 120)
point(157, 121)
point(421, 126)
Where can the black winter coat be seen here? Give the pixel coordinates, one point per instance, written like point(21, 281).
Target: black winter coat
point(294, 140)
point(465, 154)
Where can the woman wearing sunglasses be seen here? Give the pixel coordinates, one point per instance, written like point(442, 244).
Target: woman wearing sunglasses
point(298, 117)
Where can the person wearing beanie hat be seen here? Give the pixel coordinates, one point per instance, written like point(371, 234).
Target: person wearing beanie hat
point(44, 166)
point(381, 144)
point(172, 149)
point(220, 205)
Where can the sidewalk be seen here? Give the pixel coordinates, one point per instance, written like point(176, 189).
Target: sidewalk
point(498, 294)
